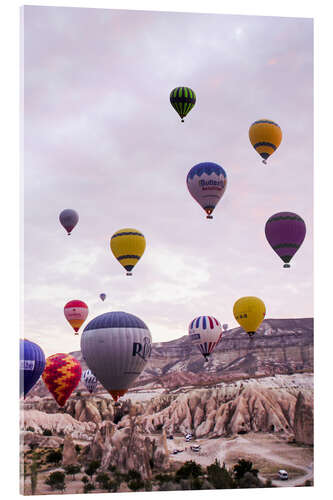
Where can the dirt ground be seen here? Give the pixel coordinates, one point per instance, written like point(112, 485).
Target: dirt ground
point(268, 452)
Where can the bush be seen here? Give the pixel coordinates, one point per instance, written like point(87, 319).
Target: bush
point(219, 477)
point(54, 457)
point(136, 484)
point(92, 468)
point(56, 481)
point(47, 432)
point(85, 479)
point(163, 478)
point(103, 480)
point(242, 467)
point(133, 474)
point(30, 429)
point(88, 487)
point(189, 469)
point(72, 470)
point(77, 448)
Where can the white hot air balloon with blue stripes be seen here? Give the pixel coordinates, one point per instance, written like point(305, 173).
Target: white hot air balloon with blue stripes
point(205, 332)
point(116, 347)
point(89, 380)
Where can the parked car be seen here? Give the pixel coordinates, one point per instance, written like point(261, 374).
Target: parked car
point(170, 437)
point(283, 474)
point(175, 452)
point(196, 447)
point(188, 437)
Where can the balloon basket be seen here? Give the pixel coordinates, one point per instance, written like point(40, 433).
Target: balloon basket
point(264, 162)
point(209, 217)
point(286, 266)
point(128, 274)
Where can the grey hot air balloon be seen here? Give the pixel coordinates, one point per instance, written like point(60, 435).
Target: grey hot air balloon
point(90, 381)
point(225, 326)
point(68, 219)
point(116, 347)
point(102, 296)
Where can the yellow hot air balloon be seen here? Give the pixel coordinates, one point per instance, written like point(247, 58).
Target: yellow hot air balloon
point(249, 313)
point(265, 136)
point(128, 245)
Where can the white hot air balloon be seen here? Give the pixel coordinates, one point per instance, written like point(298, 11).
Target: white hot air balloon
point(205, 332)
point(116, 347)
point(90, 381)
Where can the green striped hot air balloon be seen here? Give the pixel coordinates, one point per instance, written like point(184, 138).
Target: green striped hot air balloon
point(182, 100)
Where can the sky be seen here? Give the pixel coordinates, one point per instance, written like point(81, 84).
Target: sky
point(100, 136)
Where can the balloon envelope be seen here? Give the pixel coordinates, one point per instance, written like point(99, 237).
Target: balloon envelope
point(76, 312)
point(225, 326)
point(68, 219)
point(128, 245)
point(205, 332)
point(285, 232)
point(182, 100)
point(32, 364)
point(61, 375)
point(116, 347)
point(249, 313)
point(102, 296)
point(207, 182)
point(90, 381)
point(265, 136)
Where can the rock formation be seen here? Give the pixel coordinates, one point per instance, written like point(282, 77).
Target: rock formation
point(303, 425)
point(69, 455)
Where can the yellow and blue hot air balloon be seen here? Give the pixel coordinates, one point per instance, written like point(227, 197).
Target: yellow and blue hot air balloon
point(249, 313)
point(182, 100)
point(128, 245)
point(265, 136)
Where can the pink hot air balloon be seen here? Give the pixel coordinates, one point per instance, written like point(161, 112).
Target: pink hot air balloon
point(206, 182)
point(285, 232)
point(76, 313)
point(68, 219)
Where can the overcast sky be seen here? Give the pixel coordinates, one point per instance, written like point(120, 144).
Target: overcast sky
point(100, 136)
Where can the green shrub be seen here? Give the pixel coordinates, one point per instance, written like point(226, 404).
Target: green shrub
point(189, 469)
point(88, 487)
point(56, 481)
point(219, 477)
point(72, 470)
point(136, 484)
point(47, 432)
point(30, 429)
point(92, 468)
point(54, 457)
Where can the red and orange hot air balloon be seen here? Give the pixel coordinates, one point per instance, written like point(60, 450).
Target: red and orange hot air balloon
point(76, 313)
point(61, 375)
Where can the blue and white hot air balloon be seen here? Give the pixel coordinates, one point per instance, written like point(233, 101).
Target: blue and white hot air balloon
point(32, 364)
point(89, 380)
point(207, 182)
point(102, 296)
point(205, 332)
point(116, 347)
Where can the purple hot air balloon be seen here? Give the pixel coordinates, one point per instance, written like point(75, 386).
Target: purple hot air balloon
point(285, 233)
point(68, 219)
point(207, 182)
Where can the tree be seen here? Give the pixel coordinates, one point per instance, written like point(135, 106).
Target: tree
point(47, 432)
point(92, 468)
point(88, 487)
point(219, 477)
point(54, 457)
point(242, 467)
point(136, 484)
point(85, 479)
point(77, 448)
point(56, 481)
point(33, 476)
point(133, 474)
point(72, 470)
point(30, 429)
point(103, 480)
point(189, 469)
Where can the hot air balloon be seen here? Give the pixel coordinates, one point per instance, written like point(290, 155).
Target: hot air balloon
point(116, 347)
point(32, 364)
point(61, 375)
point(76, 313)
point(90, 381)
point(128, 245)
point(249, 313)
point(206, 333)
point(265, 136)
point(206, 182)
point(285, 232)
point(102, 296)
point(182, 100)
point(68, 219)
point(225, 326)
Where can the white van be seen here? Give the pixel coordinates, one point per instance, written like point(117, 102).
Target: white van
point(283, 474)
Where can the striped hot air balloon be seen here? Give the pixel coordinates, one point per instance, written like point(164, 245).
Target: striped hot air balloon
point(207, 182)
point(265, 136)
point(90, 381)
point(206, 333)
point(128, 245)
point(76, 312)
point(285, 232)
point(32, 364)
point(61, 375)
point(116, 347)
point(182, 100)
